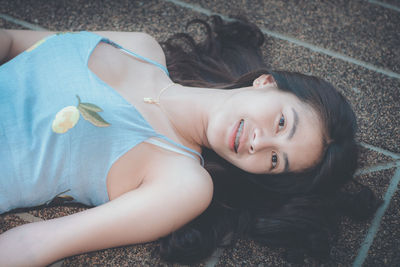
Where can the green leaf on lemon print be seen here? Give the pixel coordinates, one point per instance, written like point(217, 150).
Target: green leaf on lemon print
point(93, 117)
point(89, 113)
point(91, 107)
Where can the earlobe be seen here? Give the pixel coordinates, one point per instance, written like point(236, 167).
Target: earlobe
point(263, 81)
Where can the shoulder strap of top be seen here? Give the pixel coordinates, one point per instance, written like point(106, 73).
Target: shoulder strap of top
point(126, 51)
point(169, 147)
point(180, 148)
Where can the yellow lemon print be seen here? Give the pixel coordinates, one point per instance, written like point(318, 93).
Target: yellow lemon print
point(35, 45)
point(65, 119)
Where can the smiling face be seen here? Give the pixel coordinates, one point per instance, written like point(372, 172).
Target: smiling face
point(261, 129)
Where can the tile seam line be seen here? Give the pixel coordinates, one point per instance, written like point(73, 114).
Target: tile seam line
point(385, 5)
point(22, 23)
point(380, 150)
point(293, 40)
point(378, 167)
point(373, 229)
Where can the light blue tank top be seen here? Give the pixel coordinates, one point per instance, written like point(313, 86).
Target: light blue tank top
point(37, 162)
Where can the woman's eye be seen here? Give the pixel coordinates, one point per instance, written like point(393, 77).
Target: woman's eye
point(274, 160)
point(281, 122)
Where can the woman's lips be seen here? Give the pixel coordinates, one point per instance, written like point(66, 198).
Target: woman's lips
point(235, 137)
point(238, 135)
point(232, 136)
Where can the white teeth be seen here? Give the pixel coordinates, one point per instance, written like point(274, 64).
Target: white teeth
point(238, 135)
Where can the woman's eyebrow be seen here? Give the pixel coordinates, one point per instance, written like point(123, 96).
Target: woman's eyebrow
point(295, 122)
point(286, 166)
point(292, 132)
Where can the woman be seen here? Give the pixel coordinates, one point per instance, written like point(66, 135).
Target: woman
point(118, 134)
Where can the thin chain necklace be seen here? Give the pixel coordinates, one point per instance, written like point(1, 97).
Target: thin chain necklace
point(150, 100)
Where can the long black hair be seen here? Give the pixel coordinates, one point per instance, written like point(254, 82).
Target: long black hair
point(298, 211)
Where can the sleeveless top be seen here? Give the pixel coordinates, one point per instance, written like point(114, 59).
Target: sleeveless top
point(61, 127)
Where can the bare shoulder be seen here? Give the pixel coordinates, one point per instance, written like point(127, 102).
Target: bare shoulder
point(137, 42)
point(23, 39)
point(187, 178)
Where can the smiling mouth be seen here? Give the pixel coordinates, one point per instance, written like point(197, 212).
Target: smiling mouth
point(239, 132)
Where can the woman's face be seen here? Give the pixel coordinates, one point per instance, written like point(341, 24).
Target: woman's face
point(261, 129)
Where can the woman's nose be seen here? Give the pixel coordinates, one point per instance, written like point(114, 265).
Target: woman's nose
point(260, 141)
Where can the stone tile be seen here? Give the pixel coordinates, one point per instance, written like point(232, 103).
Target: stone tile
point(355, 28)
point(343, 251)
point(156, 17)
point(385, 250)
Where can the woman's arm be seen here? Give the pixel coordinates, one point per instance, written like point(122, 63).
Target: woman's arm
point(156, 208)
point(5, 45)
point(14, 42)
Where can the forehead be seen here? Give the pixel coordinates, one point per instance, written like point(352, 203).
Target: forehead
point(306, 147)
point(274, 94)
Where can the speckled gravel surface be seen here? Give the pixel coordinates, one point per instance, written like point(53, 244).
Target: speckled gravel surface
point(358, 29)
point(7, 25)
point(369, 158)
point(387, 251)
point(354, 28)
point(10, 221)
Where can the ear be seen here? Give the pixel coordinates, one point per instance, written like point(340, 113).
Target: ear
point(263, 81)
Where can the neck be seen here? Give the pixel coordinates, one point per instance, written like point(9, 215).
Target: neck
point(189, 110)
